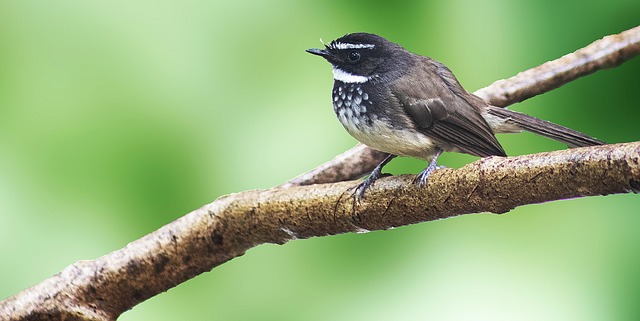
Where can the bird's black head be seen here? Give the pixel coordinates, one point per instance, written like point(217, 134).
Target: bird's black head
point(358, 57)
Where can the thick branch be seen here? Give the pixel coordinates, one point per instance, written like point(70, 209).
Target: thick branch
point(608, 52)
point(104, 288)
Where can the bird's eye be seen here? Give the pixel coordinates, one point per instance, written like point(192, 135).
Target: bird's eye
point(354, 56)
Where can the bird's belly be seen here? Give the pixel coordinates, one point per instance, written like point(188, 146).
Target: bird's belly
point(381, 136)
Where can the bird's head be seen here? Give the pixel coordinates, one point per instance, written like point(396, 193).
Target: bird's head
point(360, 57)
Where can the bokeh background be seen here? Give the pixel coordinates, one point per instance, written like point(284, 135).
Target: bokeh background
point(117, 117)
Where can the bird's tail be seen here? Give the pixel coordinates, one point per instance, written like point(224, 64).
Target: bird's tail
point(505, 120)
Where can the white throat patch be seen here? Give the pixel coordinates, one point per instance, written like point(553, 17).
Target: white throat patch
point(345, 77)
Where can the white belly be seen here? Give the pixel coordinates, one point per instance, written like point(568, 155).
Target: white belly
point(382, 137)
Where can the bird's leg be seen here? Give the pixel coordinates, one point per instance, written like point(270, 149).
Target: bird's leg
point(377, 173)
point(424, 175)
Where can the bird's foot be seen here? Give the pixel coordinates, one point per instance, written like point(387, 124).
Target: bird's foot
point(360, 189)
point(422, 178)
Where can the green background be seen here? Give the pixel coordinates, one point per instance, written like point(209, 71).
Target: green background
point(117, 117)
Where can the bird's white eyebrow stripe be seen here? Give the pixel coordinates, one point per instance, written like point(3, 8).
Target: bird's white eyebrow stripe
point(344, 45)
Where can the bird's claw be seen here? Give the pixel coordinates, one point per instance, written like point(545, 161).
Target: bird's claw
point(360, 189)
point(422, 178)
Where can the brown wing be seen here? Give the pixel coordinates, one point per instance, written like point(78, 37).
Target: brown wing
point(443, 110)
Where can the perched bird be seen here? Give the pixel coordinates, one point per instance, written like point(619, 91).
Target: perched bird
point(405, 104)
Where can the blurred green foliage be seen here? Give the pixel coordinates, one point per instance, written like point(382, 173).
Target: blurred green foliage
point(118, 117)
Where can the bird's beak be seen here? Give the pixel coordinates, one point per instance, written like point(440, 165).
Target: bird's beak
point(319, 52)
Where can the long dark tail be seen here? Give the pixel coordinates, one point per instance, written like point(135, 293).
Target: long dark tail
point(538, 126)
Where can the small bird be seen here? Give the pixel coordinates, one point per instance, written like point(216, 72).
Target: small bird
point(405, 104)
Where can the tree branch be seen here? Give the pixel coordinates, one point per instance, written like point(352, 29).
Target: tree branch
point(102, 289)
point(608, 52)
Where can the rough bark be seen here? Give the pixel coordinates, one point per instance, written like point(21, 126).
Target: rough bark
point(102, 289)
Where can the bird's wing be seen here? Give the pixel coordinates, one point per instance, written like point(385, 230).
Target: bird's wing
point(445, 111)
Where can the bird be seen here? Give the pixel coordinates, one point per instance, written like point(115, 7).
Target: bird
point(406, 104)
